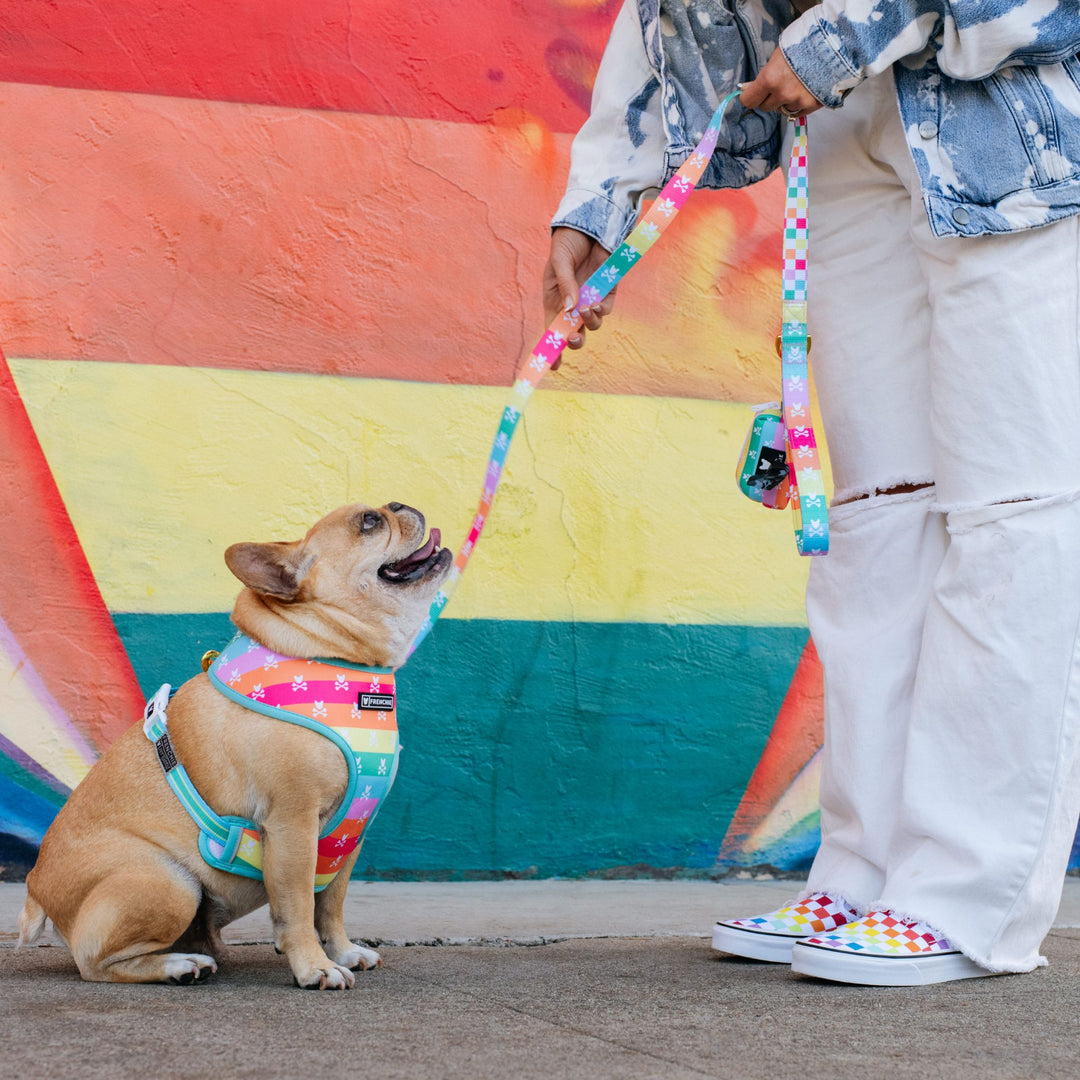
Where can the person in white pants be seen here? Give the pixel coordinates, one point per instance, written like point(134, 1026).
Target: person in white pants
point(947, 612)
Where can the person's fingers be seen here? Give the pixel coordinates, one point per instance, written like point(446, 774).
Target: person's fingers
point(592, 318)
point(562, 292)
point(753, 94)
point(778, 89)
point(608, 303)
point(761, 94)
point(575, 341)
point(550, 288)
point(566, 281)
point(573, 258)
point(559, 282)
point(570, 256)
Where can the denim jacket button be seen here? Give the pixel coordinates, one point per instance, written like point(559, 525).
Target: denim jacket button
point(928, 129)
point(961, 216)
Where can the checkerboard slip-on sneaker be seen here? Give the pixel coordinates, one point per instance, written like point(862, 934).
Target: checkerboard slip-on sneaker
point(882, 950)
point(770, 937)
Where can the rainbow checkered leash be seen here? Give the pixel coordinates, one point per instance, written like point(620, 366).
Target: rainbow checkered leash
point(807, 487)
point(807, 484)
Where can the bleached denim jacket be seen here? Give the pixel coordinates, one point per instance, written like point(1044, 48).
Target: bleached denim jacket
point(988, 91)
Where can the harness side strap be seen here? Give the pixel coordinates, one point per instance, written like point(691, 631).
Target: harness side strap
point(155, 727)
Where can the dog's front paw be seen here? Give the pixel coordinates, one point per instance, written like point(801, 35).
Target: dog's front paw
point(357, 958)
point(328, 976)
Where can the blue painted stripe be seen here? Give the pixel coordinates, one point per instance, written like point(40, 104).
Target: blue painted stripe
point(24, 814)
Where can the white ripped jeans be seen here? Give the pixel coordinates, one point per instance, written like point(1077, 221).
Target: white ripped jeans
point(946, 618)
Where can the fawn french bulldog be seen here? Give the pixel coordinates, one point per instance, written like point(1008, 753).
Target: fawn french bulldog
point(139, 876)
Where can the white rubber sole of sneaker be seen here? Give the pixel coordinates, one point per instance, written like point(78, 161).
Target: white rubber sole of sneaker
point(753, 944)
point(836, 966)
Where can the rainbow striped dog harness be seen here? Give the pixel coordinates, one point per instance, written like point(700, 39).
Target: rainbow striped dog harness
point(352, 706)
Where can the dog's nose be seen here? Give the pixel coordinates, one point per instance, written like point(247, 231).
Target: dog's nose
point(395, 507)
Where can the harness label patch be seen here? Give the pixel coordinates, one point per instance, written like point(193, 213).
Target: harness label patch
point(165, 753)
point(377, 702)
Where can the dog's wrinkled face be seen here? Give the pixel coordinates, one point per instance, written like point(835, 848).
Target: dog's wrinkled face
point(362, 572)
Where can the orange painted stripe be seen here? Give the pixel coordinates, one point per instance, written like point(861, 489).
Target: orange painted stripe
point(796, 736)
point(48, 597)
point(171, 231)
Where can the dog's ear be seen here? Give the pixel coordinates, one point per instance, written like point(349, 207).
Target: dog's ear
point(270, 569)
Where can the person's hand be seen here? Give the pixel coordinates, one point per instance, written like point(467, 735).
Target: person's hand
point(573, 257)
point(778, 89)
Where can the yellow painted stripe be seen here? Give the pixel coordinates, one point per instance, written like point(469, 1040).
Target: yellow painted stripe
point(614, 508)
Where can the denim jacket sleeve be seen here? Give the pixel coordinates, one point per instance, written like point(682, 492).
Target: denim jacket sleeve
point(836, 45)
point(618, 155)
point(666, 66)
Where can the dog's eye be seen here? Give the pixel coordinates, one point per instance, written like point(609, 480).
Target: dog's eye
point(370, 520)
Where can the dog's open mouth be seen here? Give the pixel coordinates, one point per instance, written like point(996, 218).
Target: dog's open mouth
point(420, 563)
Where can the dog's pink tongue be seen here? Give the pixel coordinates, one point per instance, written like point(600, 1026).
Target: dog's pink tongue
point(424, 552)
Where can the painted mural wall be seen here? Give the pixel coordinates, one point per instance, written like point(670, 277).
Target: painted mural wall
point(261, 259)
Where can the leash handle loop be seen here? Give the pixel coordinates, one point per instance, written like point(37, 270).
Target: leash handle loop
point(807, 483)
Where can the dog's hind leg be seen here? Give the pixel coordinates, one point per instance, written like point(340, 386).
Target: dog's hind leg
point(330, 925)
point(204, 933)
point(128, 923)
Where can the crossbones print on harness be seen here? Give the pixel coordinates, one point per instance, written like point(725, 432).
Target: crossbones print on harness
point(354, 707)
point(807, 487)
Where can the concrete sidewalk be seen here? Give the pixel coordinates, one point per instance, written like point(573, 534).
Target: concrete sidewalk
point(529, 912)
point(624, 986)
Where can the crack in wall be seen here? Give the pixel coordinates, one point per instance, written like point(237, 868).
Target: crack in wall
point(564, 518)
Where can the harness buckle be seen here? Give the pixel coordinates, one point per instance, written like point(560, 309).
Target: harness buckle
point(154, 713)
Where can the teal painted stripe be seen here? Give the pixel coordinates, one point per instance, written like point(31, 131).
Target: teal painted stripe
point(547, 748)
